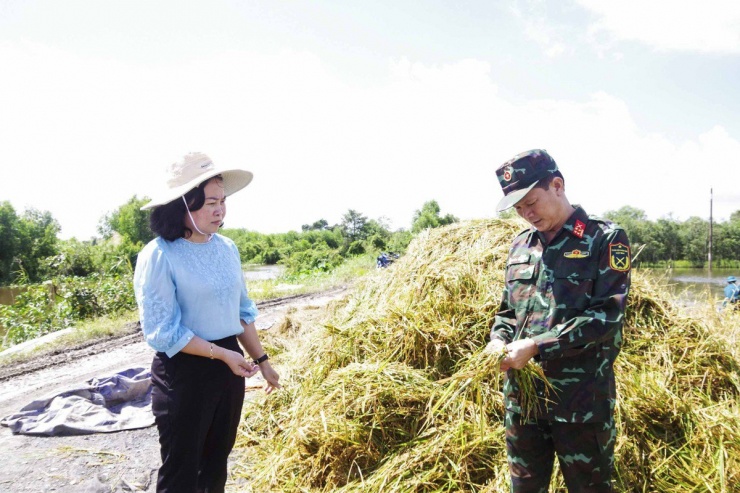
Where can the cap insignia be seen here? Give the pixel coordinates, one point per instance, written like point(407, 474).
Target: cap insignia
point(507, 173)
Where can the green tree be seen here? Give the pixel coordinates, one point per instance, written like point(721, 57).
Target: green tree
point(639, 231)
point(399, 240)
point(9, 241)
point(37, 233)
point(377, 234)
point(75, 258)
point(726, 242)
point(353, 226)
point(25, 242)
point(428, 217)
point(318, 225)
point(668, 239)
point(694, 234)
point(129, 221)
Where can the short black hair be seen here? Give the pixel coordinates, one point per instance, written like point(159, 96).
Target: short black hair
point(545, 182)
point(168, 220)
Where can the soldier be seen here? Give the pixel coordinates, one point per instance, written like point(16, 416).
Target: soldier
point(567, 279)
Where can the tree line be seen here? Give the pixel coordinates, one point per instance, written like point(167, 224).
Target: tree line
point(88, 279)
point(31, 252)
point(668, 241)
point(93, 278)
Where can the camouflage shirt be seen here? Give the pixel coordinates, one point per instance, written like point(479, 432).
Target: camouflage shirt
point(569, 296)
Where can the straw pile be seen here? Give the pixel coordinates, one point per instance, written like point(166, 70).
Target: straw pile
point(390, 391)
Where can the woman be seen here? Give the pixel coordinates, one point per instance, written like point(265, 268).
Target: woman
point(194, 312)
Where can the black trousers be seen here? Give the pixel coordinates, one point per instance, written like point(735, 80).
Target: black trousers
point(197, 405)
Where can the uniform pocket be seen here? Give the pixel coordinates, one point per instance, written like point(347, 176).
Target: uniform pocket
point(519, 268)
point(573, 285)
point(521, 277)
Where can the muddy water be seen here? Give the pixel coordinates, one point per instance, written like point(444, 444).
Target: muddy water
point(263, 272)
point(699, 284)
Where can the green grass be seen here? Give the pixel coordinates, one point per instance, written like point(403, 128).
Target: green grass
point(85, 331)
point(349, 271)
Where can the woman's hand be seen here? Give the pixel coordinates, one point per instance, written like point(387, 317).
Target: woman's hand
point(270, 376)
point(238, 364)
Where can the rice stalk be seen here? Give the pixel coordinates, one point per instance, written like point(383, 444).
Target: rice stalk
point(391, 391)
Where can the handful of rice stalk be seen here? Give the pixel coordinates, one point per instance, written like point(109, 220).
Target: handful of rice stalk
point(480, 366)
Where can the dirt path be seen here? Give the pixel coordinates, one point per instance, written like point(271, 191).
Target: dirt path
point(105, 462)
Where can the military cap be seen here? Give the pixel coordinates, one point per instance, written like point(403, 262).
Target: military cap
point(520, 174)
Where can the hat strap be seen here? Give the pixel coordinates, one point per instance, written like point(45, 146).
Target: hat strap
point(191, 217)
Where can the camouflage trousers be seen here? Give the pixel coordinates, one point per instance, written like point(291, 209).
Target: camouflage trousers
point(585, 453)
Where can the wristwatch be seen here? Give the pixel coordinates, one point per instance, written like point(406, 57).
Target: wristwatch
point(261, 359)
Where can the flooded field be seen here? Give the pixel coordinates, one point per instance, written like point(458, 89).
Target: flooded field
point(697, 285)
point(262, 272)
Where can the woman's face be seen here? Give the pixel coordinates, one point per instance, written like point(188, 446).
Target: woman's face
point(209, 217)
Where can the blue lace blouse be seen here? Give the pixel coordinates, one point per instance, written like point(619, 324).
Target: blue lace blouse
point(185, 289)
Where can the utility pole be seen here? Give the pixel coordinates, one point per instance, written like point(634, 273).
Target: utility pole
point(711, 196)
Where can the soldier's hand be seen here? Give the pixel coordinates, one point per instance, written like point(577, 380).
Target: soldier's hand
point(495, 346)
point(518, 354)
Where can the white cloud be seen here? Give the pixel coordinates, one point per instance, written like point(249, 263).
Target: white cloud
point(709, 26)
point(81, 136)
point(538, 27)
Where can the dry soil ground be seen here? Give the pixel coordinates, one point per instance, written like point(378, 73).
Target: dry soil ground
point(104, 462)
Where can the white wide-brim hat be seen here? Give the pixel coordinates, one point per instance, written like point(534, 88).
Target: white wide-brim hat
point(191, 171)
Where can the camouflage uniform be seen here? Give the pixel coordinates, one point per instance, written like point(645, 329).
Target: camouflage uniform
point(569, 296)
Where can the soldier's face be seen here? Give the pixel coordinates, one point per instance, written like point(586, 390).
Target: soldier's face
point(543, 208)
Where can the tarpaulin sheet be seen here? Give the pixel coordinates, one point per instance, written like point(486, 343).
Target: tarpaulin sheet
point(102, 405)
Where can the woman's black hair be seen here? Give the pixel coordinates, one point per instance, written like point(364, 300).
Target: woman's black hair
point(168, 220)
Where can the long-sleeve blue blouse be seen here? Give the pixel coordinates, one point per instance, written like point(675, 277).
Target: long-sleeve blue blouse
point(184, 289)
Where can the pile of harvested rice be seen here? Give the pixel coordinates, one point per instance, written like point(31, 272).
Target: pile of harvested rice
point(390, 391)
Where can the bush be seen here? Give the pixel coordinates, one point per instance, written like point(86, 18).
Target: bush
point(356, 248)
point(308, 261)
point(44, 308)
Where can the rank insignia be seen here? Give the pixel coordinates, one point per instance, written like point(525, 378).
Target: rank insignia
point(576, 254)
point(619, 257)
point(579, 228)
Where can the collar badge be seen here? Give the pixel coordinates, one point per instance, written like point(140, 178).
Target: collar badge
point(579, 228)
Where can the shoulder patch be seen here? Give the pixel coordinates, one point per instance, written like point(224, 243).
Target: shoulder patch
point(619, 257)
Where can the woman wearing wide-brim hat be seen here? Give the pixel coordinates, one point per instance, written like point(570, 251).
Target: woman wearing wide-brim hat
point(195, 312)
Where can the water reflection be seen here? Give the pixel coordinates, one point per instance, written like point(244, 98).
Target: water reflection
point(263, 272)
point(696, 285)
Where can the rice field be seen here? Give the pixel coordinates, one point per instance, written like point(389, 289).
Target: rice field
point(389, 390)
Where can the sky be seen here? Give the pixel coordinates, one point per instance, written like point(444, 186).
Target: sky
point(374, 106)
